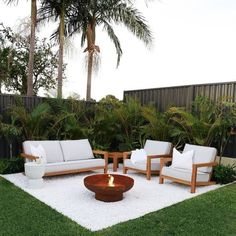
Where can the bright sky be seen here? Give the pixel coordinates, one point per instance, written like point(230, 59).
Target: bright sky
point(194, 42)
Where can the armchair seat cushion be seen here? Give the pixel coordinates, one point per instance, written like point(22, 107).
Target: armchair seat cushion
point(155, 164)
point(74, 165)
point(184, 174)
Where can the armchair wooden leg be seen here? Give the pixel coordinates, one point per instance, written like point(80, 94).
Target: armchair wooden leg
point(193, 188)
point(124, 170)
point(148, 174)
point(193, 180)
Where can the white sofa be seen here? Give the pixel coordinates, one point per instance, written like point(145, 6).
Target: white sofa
point(68, 156)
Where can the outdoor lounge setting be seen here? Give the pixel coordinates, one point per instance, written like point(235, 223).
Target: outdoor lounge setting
point(117, 118)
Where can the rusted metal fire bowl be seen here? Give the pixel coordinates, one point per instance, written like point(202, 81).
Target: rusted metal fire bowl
point(99, 184)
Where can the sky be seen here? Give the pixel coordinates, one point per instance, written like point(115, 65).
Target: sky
point(194, 43)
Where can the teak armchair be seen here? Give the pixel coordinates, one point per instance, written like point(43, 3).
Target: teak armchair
point(155, 150)
point(200, 175)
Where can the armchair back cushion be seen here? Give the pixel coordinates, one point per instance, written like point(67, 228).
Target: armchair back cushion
point(202, 154)
point(52, 149)
point(76, 150)
point(153, 147)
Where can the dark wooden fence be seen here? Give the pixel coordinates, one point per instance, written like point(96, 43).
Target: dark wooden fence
point(182, 96)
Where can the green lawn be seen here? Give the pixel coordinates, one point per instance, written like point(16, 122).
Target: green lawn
point(213, 213)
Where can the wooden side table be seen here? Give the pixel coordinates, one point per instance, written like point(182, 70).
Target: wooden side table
point(115, 156)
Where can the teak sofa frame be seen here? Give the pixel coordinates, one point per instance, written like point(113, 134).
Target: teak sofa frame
point(98, 152)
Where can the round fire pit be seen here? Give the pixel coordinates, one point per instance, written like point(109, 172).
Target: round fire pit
point(108, 188)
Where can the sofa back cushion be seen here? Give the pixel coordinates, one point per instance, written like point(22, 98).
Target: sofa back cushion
point(153, 147)
point(76, 150)
point(202, 154)
point(52, 149)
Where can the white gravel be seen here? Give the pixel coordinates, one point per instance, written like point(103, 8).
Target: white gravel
point(68, 195)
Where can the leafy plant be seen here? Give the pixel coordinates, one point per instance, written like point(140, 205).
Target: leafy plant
point(34, 124)
point(207, 124)
point(130, 118)
point(10, 166)
point(156, 125)
point(224, 174)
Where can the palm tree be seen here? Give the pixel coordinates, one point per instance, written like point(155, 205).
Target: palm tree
point(32, 45)
point(54, 10)
point(87, 15)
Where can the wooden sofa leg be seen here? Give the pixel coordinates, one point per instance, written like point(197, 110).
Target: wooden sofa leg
point(105, 170)
point(124, 170)
point(161, 180)
point(148, 175)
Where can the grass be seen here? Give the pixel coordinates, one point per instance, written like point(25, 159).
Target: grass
point(213, 213)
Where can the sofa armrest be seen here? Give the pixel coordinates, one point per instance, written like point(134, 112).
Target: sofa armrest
point(27, 156)
point(126, 155)
point(99, 152)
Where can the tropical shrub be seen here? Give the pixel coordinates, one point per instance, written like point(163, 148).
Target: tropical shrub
point(34, 124)
point(130, 118)
point(155, 125)
point(13, 165)
point(224, 174)
point(207, 124)
point(105, 132)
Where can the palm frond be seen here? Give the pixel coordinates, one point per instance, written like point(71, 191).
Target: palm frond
point(114, 39)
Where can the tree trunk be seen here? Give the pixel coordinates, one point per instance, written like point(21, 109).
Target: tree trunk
point(61, 55)
point(89, 75)
point(90, 43)
point(31, 50)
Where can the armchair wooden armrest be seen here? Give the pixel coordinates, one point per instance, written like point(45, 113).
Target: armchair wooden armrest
point(164, 160)
point(205, 164)
point(164, 156)
point(27, 156)
point(126, 155)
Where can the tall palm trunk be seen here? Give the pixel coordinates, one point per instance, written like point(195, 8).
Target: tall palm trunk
point(61, 52)
point(90, 49)
point(89, 75)
point(32, 47)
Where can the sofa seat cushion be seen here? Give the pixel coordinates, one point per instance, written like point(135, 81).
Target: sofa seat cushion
point(184, 174)
point(74, 165)
point(155, 165)
point(76, 150)
point(52, 149)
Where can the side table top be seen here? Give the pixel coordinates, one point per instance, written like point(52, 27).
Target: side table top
point(33, 164)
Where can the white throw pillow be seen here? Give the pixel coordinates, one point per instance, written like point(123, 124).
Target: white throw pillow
point(182, 160)
point(138, 155)
point(39, 152)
